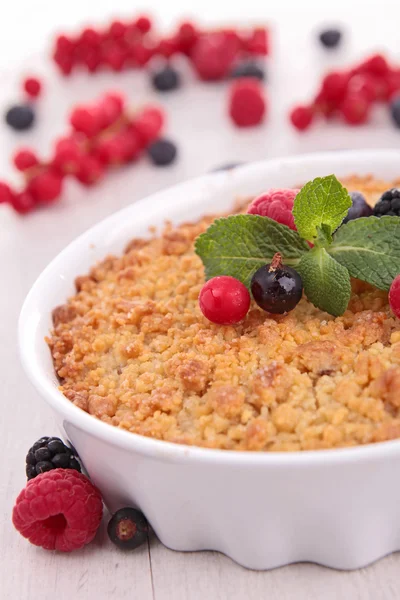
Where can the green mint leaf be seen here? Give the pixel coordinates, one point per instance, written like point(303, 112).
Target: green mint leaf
point(324, 235)
point(369, 248)
point(240, 244)
point(323, 201)
point(326, 283)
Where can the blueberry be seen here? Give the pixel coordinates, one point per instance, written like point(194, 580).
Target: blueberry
point(276, 288)
point(128, 529)
point(248, 68)
point(162, 152)
point(20, 117)
point(359, 208)
point(330, 38)
point(166, 80)
point(395, 111)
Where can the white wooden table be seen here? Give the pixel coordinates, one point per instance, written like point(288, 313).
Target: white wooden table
point(206, 138)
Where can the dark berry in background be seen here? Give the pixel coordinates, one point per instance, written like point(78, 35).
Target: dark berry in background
point(166, 79)
point(359, 207)
point(276, 289)
point(162, 152)
point(50, 453)
point(128, 529)
point(330, 38)
point(248, 68)
point(389, 204)
point(20, 117)
point(395, 111)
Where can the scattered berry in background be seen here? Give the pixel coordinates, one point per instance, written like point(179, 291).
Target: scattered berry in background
point(395, 110)
point(394, 296)
point(58, 510)
point(128, 529)
point(20, 117)
point(330, 38)
point(351, 94)
point(276, 288)
point(277, 204)
point(359, 208)
point(247, 103)
point(248, 68)
point(32, 87)
point(162, 152)
point(388, 204)
point(166, 79)
point(224, 300)
point(102, 135)
point(50, 453)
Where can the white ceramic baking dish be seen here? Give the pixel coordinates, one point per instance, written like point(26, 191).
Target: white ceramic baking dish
point(339, 508)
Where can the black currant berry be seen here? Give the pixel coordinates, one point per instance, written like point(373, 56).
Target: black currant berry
point(276, 288)
point(166, 80)
point(128, 528)
point(162, 152)
point(20, 117)
point(330, 38)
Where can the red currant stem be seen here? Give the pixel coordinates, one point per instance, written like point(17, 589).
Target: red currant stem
point(276, 262)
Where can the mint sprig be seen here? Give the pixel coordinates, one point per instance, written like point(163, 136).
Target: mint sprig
point(366, 248)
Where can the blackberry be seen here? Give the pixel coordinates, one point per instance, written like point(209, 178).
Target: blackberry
point(330, 38)
point(166, 80)
point(20, 117)
point(359, 208)
point(276, 288)
point(162, 152)
point(248, 68)
point(395, 111)
point(388, 204)
point(128, 528)
point(50, 453)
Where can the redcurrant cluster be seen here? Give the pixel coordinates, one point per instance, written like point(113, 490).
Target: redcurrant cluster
point(103, 135)
point(350, 94)
point(132, 44)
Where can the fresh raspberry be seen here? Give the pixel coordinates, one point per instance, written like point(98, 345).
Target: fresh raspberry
point(90, 170)
point(32, 86)
point(91, 58)
point(25, 159)
point(355, 109)
point(143, 23)
point(6, 193)
point(58, 510)
point(46, 186)
point(23, 203)
point(302, 117)
point(247, 106)
point(149, 123)
point(90, 37)
point(334, 86)
point(224, 300)
point(67, 155)
point(277, 204)
point(212, 56)
point(394, 296)
point(86, 120)
point(257, 43)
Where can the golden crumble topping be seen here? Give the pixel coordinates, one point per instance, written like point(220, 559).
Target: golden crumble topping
point(133, 349)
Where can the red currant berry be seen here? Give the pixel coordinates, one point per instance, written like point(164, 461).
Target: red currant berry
point(25, 159)
point(186, 37)
point(334, 86)
point(90, 37)
point(301, 117)
point(143, 24)
point(375, 65)
point(46, 186)
point(114, 56)
point(86, 120)
point(111, 107)
point(6, 193)
point(32, 87)
point(355, 109)
point(257, 43)
point(23, 203)
point(394, 296)
point(64, 44)
point(67, 155)
point(224, 300)
point(167, 47)
point(212, 56)
point(90, 171)
point(247, 106)
point(149, 123)
point(141, 54)
point(117, 30)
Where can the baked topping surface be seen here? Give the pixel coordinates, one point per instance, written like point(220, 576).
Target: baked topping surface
point(133, 349)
